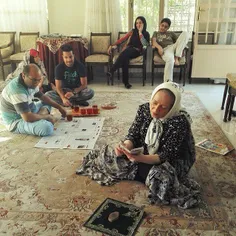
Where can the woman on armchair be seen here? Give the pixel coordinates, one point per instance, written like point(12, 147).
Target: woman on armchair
point(136, 40)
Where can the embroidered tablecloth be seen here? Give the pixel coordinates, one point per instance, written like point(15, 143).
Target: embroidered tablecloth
point(55, 43)
point(51, 54)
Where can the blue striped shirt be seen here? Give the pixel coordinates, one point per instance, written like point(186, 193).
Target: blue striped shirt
point(16, 99)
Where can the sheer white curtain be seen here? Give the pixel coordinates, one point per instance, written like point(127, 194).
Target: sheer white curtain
point(150, 10)
point(102, 16)
point(24, 15)
point(181, 14)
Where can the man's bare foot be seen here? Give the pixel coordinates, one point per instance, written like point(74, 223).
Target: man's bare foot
point(177, 61)
point(43, 111)
point(52, 119)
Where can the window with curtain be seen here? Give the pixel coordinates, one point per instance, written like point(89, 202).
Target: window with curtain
point(150, 10)
point(124, 14)
point(102, 16)
point(218, 18)
point(24, 15)
point(181, 13)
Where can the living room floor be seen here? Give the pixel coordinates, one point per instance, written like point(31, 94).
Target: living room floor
point(210, 95)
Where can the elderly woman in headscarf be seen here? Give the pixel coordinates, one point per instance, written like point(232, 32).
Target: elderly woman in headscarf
point(163, 128)
point(32, 56)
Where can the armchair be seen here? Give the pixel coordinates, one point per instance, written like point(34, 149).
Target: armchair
point(7, 48)
point(27, 41)
point(99, 43)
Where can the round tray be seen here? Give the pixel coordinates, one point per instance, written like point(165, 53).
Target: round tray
point(108, 107)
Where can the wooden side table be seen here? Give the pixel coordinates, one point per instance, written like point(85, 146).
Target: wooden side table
point(230, 87)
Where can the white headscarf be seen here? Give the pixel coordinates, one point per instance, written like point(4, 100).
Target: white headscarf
point(155, 128)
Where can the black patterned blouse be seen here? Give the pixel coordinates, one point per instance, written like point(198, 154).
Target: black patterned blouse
point(176, 143)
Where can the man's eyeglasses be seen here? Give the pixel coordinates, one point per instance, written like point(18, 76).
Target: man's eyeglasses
point(34, 80)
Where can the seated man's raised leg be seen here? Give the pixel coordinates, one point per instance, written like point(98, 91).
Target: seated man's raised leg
point(168, 57)
point(84, 95)
point(180, 45)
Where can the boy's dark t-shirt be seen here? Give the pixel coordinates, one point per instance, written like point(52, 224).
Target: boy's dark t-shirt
point(70, 76)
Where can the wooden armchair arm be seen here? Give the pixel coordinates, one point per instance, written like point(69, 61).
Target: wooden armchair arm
point(145, 53)
point(185, 52)
point(113, 52)
point(112, 55)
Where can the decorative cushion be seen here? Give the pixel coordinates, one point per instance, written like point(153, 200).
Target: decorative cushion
point(100, 44)
point(6, 39)
point(159, 61)
point(99, 58)
point(27, 42)
point(6, 60)
point(17, 57)
point(135, 61)
point(6, 52)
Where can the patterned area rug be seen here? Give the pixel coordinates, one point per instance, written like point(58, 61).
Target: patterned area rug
point(42, 195)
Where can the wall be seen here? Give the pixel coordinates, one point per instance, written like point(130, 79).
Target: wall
point(66, 16)
point(204, 65)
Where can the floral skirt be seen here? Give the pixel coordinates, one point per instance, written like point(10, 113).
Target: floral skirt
point(162, 181)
